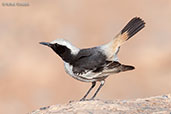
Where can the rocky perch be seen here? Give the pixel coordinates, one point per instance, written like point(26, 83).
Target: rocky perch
point(154, 105)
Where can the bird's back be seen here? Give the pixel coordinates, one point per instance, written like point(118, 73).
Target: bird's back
point(88, 59)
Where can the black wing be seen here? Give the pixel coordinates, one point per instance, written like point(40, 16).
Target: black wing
point(115, 67)
point(89, 59)
point(95, 60)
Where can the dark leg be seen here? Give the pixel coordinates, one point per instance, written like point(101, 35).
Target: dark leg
point(93, 85)
point(102, 83)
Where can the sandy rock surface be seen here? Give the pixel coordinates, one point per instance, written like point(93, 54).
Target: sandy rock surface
point(152, 105)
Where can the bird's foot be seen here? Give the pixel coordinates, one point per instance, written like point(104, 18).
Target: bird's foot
point(83, 99)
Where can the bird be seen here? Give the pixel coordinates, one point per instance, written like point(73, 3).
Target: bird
point(95, 64)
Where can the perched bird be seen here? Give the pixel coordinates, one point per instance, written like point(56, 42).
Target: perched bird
point(97, 63)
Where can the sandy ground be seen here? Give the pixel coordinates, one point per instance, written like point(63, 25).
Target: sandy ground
point(152, 105)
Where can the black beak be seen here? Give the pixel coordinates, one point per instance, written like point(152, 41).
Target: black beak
point(45, 43)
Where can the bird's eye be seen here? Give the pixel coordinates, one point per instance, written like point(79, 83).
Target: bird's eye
point(59, 49)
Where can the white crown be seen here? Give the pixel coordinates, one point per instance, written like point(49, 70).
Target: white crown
point(74, 50)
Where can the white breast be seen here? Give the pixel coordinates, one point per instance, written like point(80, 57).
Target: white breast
point(68, 69)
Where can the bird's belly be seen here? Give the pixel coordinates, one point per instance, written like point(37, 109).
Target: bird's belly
point(88, 77)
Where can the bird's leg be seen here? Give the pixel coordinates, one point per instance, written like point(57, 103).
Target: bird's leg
point(102, 83)
point(93, 85)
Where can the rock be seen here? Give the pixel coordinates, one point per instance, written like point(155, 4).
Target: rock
point(154, 105)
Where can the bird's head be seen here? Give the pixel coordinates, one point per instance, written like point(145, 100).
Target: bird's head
point(63, 48)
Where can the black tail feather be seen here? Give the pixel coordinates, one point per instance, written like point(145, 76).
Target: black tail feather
point(133, 26)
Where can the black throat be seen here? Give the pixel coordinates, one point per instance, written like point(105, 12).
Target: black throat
point(64, 52)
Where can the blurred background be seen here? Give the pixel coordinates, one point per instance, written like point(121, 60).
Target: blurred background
point(33, 76)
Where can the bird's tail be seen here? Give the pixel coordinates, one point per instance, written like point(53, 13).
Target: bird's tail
point(133, 26)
